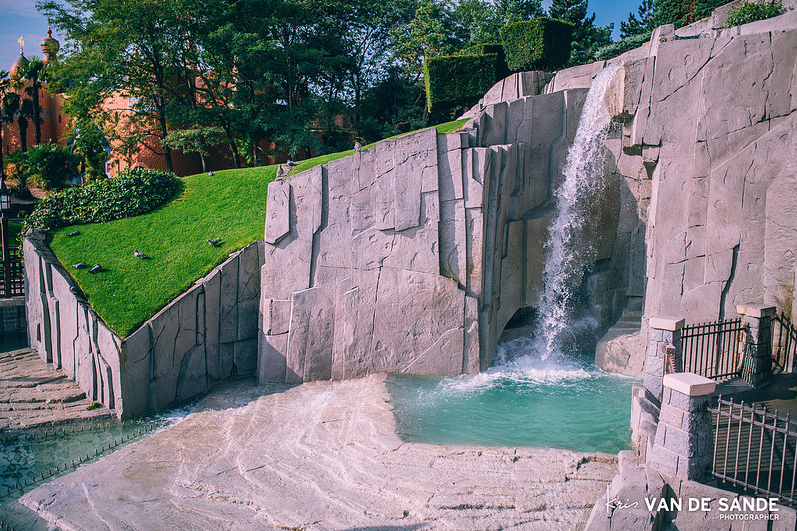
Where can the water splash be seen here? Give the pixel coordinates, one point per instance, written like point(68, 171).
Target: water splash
point(566, 253)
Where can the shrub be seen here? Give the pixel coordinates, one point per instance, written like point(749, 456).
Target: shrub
point(616, 48)
point(539, 44)
point(131, 193)
point(458, 79)
point(747, 12)
point(47, 165)
point(501, 68)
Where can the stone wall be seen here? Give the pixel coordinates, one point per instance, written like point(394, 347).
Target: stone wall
point(711, 122)
point(414, 254)
point(207, 334)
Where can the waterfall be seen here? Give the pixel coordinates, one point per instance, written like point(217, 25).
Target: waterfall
point(566, 254)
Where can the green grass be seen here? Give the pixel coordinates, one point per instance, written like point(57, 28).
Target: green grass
point(231, 206)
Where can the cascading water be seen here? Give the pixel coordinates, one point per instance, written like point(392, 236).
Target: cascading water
point(530, 397)
point(567, 253)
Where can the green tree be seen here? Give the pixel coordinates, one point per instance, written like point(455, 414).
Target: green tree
point(131, 48)
point(638, 25)
point(31, 77)
point(428, 34)
point(587, 37)
point(196, 140)
point(682, 12)
point(6, 114)
point(48, 165)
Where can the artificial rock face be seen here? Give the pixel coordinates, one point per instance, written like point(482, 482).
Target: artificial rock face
point(413, 255)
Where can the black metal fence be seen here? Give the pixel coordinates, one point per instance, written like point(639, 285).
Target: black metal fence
point(12, 274)
point(754, 450)
point(713, 349)
point(784, 344)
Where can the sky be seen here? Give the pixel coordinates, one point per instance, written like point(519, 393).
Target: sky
point(19, 18)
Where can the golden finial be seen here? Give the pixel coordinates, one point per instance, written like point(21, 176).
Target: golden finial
point(21, 42)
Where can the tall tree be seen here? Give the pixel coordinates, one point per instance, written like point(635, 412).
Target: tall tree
point(30, 76)
point(638, 25)
point(6, 114)
point(587, 37)
point(428, 34)
point(129, 49)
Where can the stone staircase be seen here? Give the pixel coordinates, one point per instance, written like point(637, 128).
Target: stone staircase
point(33, 393)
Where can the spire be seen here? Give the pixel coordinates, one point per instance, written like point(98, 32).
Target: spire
point(21, 60)
point(50, 47)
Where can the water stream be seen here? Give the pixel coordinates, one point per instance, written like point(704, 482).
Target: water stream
point(539, 392)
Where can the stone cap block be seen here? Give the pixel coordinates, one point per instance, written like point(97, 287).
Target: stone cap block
point(755, 310)
point(689, 383)
point(666, 323)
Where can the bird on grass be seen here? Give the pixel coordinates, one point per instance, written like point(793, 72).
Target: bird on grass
point(214, 243)
point(80, 265)
point(139, 254)
point(358, 146)
point(96, 269)
point(74, 233)
point(292, 163)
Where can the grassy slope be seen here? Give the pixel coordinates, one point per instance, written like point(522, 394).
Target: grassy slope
point(231, 205)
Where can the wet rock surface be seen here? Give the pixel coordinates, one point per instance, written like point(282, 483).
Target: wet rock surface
point(319, 456)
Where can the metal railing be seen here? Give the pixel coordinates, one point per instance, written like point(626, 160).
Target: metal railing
point(713, 349)
point(784, 344)
point(754, 449)
point(12, 274)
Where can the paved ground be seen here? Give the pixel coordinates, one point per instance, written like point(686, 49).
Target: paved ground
point(319, 456)
point(33, 394)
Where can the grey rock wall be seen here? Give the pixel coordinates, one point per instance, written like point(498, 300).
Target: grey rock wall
point(714, 125)
point(707, 147)
point(413, 255)
point(207, 334)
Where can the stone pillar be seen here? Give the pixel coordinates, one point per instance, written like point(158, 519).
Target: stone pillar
point(684, 445)
point(665, 337)
point(757, 353)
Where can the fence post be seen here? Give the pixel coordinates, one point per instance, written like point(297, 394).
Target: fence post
point(757, 353)
point(684, 445)
point(665, 336)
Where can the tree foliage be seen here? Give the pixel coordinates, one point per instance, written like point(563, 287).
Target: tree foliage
point(640, 23)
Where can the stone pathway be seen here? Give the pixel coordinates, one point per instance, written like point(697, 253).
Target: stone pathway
point(34, 394)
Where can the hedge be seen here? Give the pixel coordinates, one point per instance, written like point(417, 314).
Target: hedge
point(539, 44)
point(614, 49)
point(501, 68)
point(748, 12)
point(131, 193)
point(458, 79)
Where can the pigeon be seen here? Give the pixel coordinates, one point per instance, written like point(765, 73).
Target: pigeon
point(214, 243)
point(139, 254)
point(80, 265)
point(358, 146)
point(96, 269)
point(210, 173)
point(291, 163)
point(75, 233)
point(74, 290)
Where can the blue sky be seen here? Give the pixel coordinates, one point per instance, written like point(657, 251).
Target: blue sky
point(20, 18)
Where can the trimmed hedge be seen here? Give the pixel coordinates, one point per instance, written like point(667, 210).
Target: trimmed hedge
point(539, 44)
point(458, 79)
point(131, 193)
point(501, 68)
